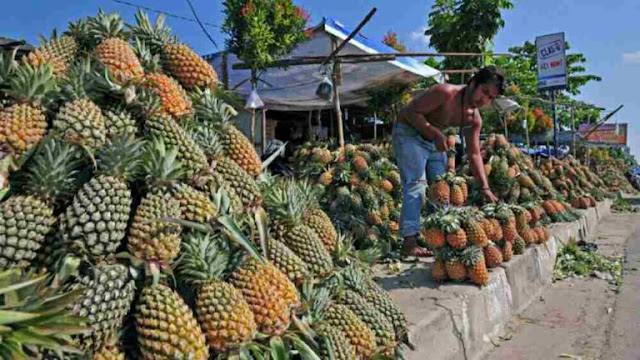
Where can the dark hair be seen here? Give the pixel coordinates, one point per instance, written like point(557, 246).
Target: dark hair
point(490, 74)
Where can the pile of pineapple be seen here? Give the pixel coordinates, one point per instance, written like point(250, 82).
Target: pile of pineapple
point(362, 190)
point(577, 184)
point(132, 217)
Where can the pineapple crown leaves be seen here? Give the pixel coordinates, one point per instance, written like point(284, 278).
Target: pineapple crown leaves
point(34, 85)
point(157, 34)
point(207, 138)
point(149, 61)
point(78, 30)
point(8, 65)
point(121, 157)
point(80, 82)
point(160, 164)
point(210, 108)
point(472, 255)
point(285, 201)
point(51, 170)
point(105, 25)
point(204, 257)
point(354, 279)
point(450, 223)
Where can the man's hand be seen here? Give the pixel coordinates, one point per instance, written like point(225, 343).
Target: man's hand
point(441, 142)
point(488, 194)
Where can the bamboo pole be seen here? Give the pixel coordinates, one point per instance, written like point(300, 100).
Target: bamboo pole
point(264, 130)
point(336, 94)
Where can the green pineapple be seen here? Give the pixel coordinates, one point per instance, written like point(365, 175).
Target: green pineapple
point(287, 261)
point(27, 218)
point(118, 122)
point(100, 211)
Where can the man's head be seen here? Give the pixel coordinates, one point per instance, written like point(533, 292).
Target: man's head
point(485, 86)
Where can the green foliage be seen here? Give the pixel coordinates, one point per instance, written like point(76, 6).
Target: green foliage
point(260, 31)
point(465, 25)
point(572, 261)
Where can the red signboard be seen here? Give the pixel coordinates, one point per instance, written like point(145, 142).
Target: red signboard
point(606, 133)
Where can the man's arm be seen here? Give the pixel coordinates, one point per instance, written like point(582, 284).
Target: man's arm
point(474, 156)
point(427, 102)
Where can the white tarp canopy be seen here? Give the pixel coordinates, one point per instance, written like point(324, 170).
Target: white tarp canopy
point(293, 89)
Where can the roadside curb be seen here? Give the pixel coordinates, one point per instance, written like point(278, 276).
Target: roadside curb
point(458, 321)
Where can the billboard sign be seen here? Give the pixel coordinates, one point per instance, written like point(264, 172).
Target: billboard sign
point(551, 61)
point(612, 134)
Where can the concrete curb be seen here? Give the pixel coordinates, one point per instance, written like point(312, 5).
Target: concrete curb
point(459, 321)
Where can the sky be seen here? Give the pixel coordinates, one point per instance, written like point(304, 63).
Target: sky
point(606, 32)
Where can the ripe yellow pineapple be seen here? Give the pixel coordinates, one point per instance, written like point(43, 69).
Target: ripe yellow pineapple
point(439, 271)
point(359, 163)
point(455, 235)
point(433, 232)
point(113, 51)
point(326, 177)
point(23, 121)
point(359, 335)
point(456, 270)
point(487, 226)
point(178, 59)
point(439, 192)
point(386, 185)
point(507, 250)
point(236, 146)
point(492, 255)
point(58, 52)
point(221, 310)
point(474, 259)
point(373, 218)
point(474, 229)
point(497, 230)
point(110, 352)
point(166, 326)
point(270, 309)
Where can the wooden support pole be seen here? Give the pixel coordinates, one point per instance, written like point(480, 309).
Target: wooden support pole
point(314, 61)
point(310, 126)
point(264, 130)
point(336, 94)
point(225, 70)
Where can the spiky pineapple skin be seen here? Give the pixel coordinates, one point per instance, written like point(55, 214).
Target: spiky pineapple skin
point(342, 349)
point(108, 353)
point(58, 52)
point(236, 177)
point(224, 315)
point(98, 215)
point(118, 122)
point(455, 270)
point(240, 150)
point(439, 193)
point(271, 311)
point(152, 237)
point(21, 127)
point(174, 99)
point(492, 256)
point(188, 67)
point(108, 294)
point(457, 239)
point(189, 153)
point(457, 195)
point(439, 271)
point(321, 224)
point(355, 330)
point(287, 261)
point(434, 237)
point(81, 122)
point(166, 327)
point(306, 244)
point(476, 234)
point(381, 327)
point(117, 56)
point(195, 205)
point(24, 223)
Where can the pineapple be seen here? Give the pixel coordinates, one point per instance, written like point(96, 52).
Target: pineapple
point(230, 172)
point(474, 229)
point(457, 196)
point(355, 330)
point(455, 235)
point(59, 52)
point(433, 231)
point(287, 261)
point(519, 246)
point(378, 323)
point(333, 338)
point(166, 326)
point(395, 178)
point(213, 111)
point(195, 205)
point(225, 317)
point(23, 123)
point(107, 294)
point(492, 255)
point(321, 155)
point(326, 177)
point(439, 191)
point(109, 352)
point(173, 97)
point(373, 218)
point(359, 163)
point(79, 120)
point(178, 59)
point(118, 122)
point(266, 299)
point(25, 220)
point(488, 228)
point(160, 124)
point(386, 185)
point(316, 219)
point(105, 33)
point(456, 270)
point(474, 259)
point(438, 269)
point(507, 250)
point(497, 230)
point(100, 211)
point(285, 202)
point(151, 236)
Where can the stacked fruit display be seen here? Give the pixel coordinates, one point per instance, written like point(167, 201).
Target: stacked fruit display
point(612, 168)
point(362, 190)
point(123, 169)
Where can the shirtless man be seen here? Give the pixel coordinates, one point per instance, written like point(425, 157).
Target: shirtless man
point(420, 147)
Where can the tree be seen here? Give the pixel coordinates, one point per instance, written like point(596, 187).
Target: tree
point(465, 26)
point(391, 39)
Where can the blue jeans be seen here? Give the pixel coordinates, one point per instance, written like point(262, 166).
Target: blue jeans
point(418, 162)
